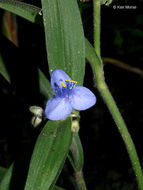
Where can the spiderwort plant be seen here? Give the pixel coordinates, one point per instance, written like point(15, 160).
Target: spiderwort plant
point(67, 96)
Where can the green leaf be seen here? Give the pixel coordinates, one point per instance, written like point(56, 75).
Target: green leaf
point(90, 53)
point(5, 182)
point(64, 37)
point(49, 155)
point(5, 178)
point(76, 156)
point(27, 11)
point(2, 172)
point(44, 84)
point(3, 70)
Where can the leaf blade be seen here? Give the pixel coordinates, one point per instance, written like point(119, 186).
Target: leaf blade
point(76, 156)
point(27, 11)
point(64, 37)
point(44, 84)
point(49, 155)
point(5, 182)
point(3, 70)
point(2, 172)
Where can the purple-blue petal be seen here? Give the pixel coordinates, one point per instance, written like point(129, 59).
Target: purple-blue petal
point(58, 108)
point(82, 98)
point(57, 77)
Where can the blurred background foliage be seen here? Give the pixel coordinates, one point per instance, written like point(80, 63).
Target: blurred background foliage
point(22, 49)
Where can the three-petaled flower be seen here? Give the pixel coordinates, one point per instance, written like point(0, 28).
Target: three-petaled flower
point(67, 96)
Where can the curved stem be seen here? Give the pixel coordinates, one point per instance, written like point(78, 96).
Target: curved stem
point(123, 65)
point(108, 99)
point(97, 68)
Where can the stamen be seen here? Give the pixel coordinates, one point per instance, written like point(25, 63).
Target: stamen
point(74, 81)
point(63, 85)
point(67, 80)
point(70, 87)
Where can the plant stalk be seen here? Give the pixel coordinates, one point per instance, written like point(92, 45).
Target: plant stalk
point(96, 22)
point(97, 68)
point(80, 180)
point(108, 99)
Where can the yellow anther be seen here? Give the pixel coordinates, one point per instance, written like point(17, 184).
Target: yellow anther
point(67, 80)
point(70, 87)
point(63, 85)
point(74, 81)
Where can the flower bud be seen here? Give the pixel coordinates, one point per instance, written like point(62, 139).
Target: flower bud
point(75, 126)
point(36, 121)
point(37, 115)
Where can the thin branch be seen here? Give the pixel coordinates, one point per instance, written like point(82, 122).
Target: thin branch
point(123, 65)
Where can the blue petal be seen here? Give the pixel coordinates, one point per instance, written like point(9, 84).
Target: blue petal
point(58, 76)
point(58, 108)
point(82, 98)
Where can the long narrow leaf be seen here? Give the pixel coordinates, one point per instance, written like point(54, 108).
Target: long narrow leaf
point(64, 37)
point(3, 70)
point(5, 182)
point(76, 153)
point(44, 84)
point(27, 11)
point(2, 172)
point(49, 155)
point(5, 179)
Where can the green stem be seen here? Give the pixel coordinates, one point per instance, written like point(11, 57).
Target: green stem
point(76, 156)
point(96, 20)
point(80, 180)
point(97, 68)
point(108, 99)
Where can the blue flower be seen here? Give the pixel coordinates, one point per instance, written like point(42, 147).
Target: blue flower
point(67, 96)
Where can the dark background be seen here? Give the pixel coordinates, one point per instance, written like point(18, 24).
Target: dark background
point(107, 165)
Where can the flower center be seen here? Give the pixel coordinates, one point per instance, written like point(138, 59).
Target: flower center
point(67, 87)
